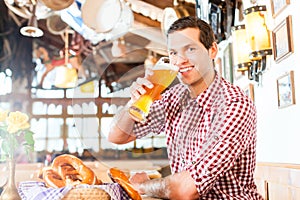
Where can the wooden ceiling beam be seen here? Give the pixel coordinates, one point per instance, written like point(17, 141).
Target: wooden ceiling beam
point(146, 20)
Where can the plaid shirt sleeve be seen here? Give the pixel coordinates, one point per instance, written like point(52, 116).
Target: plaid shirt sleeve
point(232, 131)
point(155, 123)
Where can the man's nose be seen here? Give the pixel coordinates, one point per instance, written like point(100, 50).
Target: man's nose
point(179, 59)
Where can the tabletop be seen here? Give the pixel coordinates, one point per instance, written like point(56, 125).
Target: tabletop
point(31, 171)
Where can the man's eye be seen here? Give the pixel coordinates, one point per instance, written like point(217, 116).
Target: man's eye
point(172, 53)
point(191, 49)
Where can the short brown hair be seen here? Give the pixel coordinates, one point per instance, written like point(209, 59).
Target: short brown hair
point(207, 37)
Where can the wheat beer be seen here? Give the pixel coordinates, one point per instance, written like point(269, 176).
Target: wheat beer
point(163, 75)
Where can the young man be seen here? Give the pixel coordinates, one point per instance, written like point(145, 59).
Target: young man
point(210, 125)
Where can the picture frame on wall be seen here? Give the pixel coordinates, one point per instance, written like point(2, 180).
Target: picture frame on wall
point(227, 63)
point(277, 6)
point(283, 39)
point(286, 90)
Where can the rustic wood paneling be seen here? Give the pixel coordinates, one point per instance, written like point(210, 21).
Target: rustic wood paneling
point(278, 181)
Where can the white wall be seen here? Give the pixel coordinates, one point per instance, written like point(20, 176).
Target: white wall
point(279, 128)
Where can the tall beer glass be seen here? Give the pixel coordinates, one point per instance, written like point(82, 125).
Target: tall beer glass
point(163, 75)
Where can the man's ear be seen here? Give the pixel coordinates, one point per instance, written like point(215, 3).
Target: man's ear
point(213, 51)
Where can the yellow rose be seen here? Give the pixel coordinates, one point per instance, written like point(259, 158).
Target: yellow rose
point(3, 115)
point(17, 121)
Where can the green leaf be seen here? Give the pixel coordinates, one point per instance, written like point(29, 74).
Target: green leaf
point(30, 148)
point(3, 157)
point(5, 147)
point(28, 131)
point(3, 133)
point(29, 138)
point(3, 128)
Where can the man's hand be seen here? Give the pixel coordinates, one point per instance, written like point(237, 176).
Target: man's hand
point(176, 186)
point(137, 88)
point(137, 179)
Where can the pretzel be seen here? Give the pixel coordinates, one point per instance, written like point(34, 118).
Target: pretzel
point(69, 170)
point(52, 178)
point(120, 177)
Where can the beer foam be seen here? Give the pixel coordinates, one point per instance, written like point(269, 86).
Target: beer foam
point(164, 64)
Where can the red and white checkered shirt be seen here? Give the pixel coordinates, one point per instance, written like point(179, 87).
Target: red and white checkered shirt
point(212, 136)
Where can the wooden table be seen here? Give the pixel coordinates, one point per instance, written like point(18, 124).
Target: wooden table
point(101, 168)
point(24, 172)
point(30, 171)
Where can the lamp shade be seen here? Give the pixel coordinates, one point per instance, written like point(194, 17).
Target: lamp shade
point(32, 29)
point(257, 31)
point(240, 48)
point(66, 77)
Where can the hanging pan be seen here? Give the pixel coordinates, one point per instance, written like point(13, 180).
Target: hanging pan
point(171, 14)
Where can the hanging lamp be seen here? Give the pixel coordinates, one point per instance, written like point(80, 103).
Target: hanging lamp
point(32, 29)
point(66, 75)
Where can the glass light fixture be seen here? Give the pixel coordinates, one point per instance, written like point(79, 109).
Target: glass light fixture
point(240, 48)
point(32, 29)
point(66, 75)
point(254, 38)
point(257, 31)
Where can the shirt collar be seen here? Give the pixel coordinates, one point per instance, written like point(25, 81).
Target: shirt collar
point(206, 98)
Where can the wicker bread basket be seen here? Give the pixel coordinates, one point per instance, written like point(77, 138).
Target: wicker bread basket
point(87, 194)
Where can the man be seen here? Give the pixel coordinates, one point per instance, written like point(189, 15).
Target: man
point(210, 125)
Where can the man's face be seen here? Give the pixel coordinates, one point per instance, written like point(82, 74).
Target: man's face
point(189, 55)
